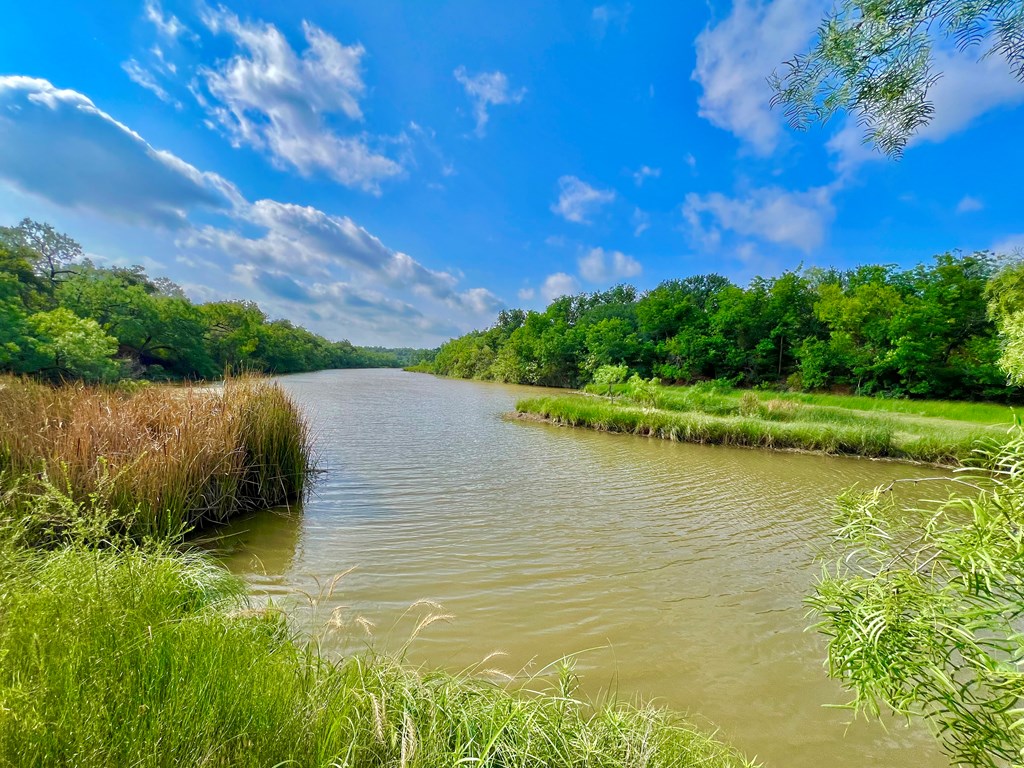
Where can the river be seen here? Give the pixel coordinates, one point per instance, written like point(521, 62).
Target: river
point(675, 572)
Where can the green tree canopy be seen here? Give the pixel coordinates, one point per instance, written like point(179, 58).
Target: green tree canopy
point(69, 346)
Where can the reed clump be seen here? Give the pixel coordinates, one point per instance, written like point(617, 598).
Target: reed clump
point(145, 656)
point(154, 460)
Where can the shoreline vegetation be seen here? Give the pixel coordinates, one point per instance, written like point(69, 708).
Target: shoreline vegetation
point(936, 332)
point(151, 460)
point(929, 432)
point(120, 646)
point(63, 318)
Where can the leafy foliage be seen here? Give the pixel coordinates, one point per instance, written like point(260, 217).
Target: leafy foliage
point(923, 608)
point(1006, 307)
point(922, 332)
point(874, 58)
point(62, 317)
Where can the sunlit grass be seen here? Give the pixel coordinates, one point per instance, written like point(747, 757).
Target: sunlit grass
point(932, 432)
point(147, 657)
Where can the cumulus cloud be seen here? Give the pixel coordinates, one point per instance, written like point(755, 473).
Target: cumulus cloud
point(772, 214)
point(735, 56)
point(303, 240)
point(559, 284)
point(577, 200)
point(526, 294)
point(967, 89)
point(600, 266)
point(320, 269)
point(273, 99)
point(59, 145)
point(484, 90)
point(357, 309)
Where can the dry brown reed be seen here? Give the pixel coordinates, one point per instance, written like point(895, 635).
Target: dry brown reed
point(158, 460)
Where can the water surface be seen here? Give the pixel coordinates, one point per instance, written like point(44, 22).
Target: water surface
point(675, 571)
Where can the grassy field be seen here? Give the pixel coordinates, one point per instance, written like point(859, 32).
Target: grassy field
point(926, 431)
point(155, 460)
point(150, 657)
point(118, 646)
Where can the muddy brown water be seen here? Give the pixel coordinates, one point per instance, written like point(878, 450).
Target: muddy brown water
point(675, 573)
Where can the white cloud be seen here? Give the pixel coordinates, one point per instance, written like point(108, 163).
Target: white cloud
point(272, 99)
point(1011, 245)
point(690, 161)
point(487, 89)
point(577, 200)
point(641, 222)
point(967, 89)
point(526, 294)
point(144, 78)
point(59, 145)
point(797, 219)
point(321, 270)
point(969, 204)
point(603, 16)
point(162, 62)
point(167, 25)
point(600, 266)
point(303, 240)
point(735, 57)
point(645, 172)
point(559, 284)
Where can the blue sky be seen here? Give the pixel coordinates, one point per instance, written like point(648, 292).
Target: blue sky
point(395, 173)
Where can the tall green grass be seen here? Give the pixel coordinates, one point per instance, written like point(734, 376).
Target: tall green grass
point(704, 415)
point(147, 657)
point(155, 461)
point(954, 410)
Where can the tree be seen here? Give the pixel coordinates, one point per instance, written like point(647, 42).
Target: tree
point(875, 59)
point(233, 333)
point(1006, 308)
point(68, 346)
point(54, 251)
point(607, 376)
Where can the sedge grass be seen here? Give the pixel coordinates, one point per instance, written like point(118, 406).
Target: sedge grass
point(768, 421)
point(147, 657)
point(157, 460)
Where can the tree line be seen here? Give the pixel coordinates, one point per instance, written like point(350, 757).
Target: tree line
point(63, 317)
point(875, 329)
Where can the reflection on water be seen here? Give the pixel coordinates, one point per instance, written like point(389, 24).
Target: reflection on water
point(675, 571)
point(264, 544)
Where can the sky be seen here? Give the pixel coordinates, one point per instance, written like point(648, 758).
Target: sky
point(396, 173)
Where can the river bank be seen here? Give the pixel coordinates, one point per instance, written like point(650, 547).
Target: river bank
point(934, 433)
point(120, 645)
point(673, 573)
